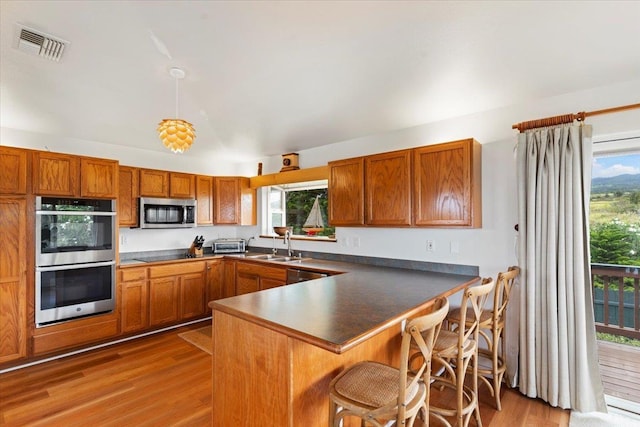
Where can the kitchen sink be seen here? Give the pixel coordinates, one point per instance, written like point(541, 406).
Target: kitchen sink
point(278, 258)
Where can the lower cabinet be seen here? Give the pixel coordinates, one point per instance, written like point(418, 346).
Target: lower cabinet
point(176, 292)
point(162, 294)
point(215, 281)
point(252, 277)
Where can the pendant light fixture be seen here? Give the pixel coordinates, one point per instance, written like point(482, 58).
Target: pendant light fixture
point(176, 134)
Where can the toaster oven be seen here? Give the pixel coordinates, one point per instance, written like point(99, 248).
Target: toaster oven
point(228, 246)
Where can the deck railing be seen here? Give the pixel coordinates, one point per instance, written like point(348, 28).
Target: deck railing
point(616, 299)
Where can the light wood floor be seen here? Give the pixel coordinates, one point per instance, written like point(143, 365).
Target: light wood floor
point(620, 370)
point(162, 380)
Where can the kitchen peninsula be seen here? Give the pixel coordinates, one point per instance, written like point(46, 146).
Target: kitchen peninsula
point(275, 351)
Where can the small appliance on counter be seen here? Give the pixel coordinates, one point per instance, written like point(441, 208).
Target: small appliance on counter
point(228, 246)
point(195, 250)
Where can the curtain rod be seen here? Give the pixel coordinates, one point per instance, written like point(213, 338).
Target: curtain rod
point(568, 118)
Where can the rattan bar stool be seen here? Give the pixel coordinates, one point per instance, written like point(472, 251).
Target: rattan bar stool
point(456, 352)
point(378, 393)
point(492, 330)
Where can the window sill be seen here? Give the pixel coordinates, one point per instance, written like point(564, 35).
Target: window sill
point(300, 237)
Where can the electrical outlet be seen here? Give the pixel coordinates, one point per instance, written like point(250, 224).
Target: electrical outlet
point(123, 239)
point(431, 246)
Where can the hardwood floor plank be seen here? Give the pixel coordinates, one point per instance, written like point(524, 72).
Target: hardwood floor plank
point(161, 380)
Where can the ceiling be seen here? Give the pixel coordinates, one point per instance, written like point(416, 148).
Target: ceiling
point(265, 78)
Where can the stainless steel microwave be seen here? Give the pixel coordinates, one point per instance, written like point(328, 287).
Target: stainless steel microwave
point(167, 213)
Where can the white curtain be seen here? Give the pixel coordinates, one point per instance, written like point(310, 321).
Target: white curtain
point(558, 354)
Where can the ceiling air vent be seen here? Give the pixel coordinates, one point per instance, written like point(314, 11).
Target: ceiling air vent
point(35, 42)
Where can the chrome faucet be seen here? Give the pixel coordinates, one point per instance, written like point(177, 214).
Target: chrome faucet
point(287, 241)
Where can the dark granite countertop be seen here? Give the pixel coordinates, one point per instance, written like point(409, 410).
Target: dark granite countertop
point(338, 312)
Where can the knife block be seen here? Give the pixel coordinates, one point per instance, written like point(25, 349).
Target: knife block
point(196, 252)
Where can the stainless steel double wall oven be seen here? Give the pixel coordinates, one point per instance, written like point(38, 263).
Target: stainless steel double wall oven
point(75, 258)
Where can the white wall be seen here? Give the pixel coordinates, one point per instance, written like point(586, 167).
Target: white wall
point(491, 247)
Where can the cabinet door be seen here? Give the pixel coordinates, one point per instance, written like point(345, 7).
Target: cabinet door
point(247, 282)
point(226, 200)
point(192, 295)
point(346, 192)
point(13, 279)
point(182, 185)
point(388, 188)
point(204, 198)
point(267, 283)
point(128, 193)
point(447, 184)
point(215, 277)
point(154, 183)
point(134, 312)
point(163, 300)
point(55, 174)
point(13, 170)
point(98, 178)
point(229, 279)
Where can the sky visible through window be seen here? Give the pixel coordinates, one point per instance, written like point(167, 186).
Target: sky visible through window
point(608, 166)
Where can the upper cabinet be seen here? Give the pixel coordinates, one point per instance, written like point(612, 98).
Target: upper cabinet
point(388, 188)
point(433, 186)
point(182, 185)
point(98, 178)
point(13, 170)
point(128, 193)
point(154, 183)
point(55, 174)
point(447, 184)
point(346, 192)
point(234, 201)
point(204, 198)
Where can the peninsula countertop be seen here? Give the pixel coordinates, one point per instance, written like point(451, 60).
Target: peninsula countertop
point(338, 312)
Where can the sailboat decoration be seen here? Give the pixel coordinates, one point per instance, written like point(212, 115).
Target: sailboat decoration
point(314, 222)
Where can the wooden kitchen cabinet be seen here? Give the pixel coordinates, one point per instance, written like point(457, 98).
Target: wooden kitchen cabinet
point(252, 277)
point(204, 199)
point(154, 183)
point(128, 193)
point(234, 201)
point(182, 185)
point(163, 300)
point(55, 174)
point(134, 297)
point(215, 280)
point(447, 184)
point(192, 295)
point(13, 170)
point(388, 188)
point(176, 292)
point(13, 278)
point(229, 278)
point(98, 178)
point(346, 192)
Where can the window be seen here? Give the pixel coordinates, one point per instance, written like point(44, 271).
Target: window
point(301, 206)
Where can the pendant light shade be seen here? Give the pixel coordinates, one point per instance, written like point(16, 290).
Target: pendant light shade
point(176, 134)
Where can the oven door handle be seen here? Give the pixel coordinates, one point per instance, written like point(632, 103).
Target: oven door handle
point(76, 213)
point(76, 266)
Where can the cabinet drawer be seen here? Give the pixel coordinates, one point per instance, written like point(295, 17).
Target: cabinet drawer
point(275, 273)
point(176, 269)
point(131, 274)
point(64, 338)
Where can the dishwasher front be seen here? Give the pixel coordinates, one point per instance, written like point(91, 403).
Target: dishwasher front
point(296, 275)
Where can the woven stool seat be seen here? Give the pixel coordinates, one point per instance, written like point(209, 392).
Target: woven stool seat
point(378, 393)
